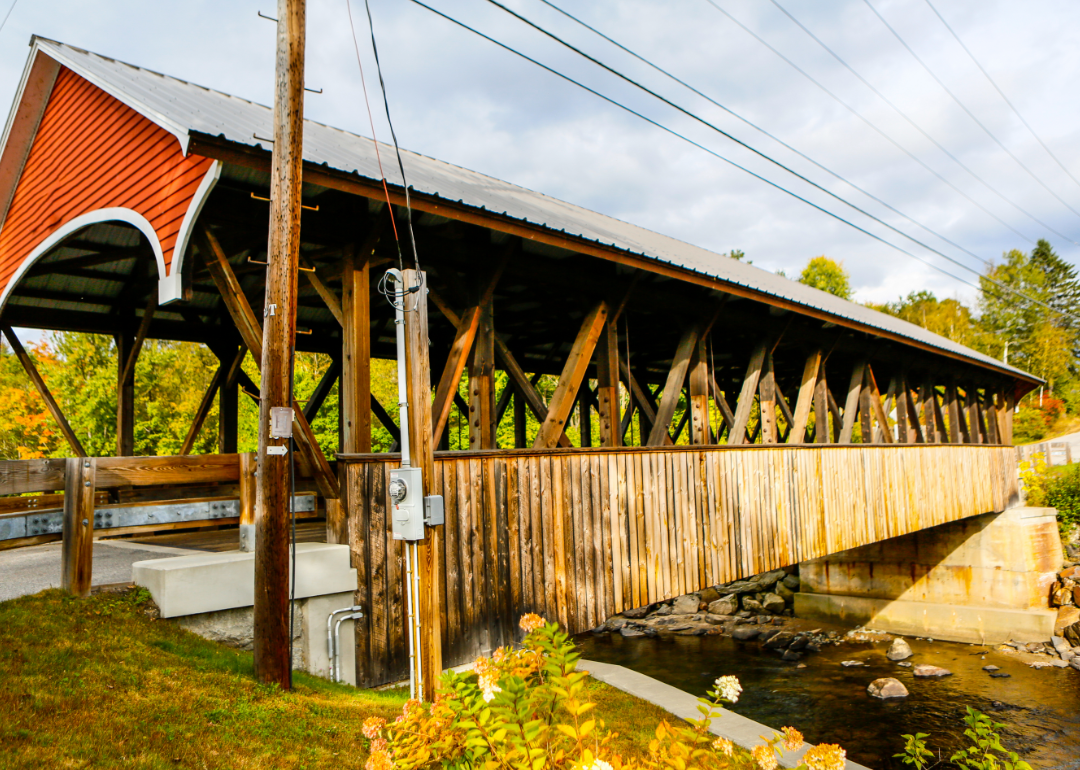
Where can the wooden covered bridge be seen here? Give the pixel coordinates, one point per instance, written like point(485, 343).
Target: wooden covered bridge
point(709, 419)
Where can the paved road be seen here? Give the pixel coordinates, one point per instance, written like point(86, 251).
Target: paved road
point(29, 570)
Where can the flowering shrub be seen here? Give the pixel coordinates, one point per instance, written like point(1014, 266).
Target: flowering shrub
point(527, 709)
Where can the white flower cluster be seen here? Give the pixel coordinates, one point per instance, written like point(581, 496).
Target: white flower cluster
point(728, 688)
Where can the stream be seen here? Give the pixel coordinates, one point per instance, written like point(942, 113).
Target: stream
point(1040, 709)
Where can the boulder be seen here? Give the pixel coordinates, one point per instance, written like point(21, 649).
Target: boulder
point(926, 670)
point(773, 603)
point(1072, 573)
point(615, 623)
point(784, 592)
point(1048, 663)
point(1072, 634)
point(791, 582)
point(686, 605)
point(661, 611)
point(799, 643)
point(769, 578)
point(743, 614)
point(636, 613)
point(1075, 663)
point(1061, 647)
point(791, 655)
point(708, 595)
point(745, 633)
point(887, 687)
point(851, 663)
point(628, 631)
point(726, 605)
point(740, 587)
point(1062, 596)
point(1066, 617)
point(1000, 674)
point(767, 634)
point(899, 650)
point(752, 606)
point(991, 667)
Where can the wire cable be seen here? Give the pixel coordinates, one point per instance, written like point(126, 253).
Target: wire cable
point(8, 14)
point(1001, 93)
point(393, 135)
point(758, 128)
point(879, 131)
point(374, 138)
point(752, 149)
point(917, 127)
point(964, 107)
point(730, 162)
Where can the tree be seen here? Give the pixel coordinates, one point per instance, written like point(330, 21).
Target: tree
point(948, 317)
point(828, 275)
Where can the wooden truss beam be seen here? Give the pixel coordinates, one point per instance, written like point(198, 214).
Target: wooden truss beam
point(201, 413)
point(577, 363)
point(43, 391)
point(251, 332)
point(805, 399)
point(669, 398)
point(851, 404)
point(745, 405)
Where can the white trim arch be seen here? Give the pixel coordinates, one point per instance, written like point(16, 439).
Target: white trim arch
point(170, 287)
point(57, 236)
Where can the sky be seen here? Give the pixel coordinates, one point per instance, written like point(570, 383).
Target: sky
point(460, 98)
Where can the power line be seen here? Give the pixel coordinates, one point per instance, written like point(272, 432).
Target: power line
point(1000, 92)
point(964, 107)
point(733, 163)
point(8, 14)
point(856, 113)
point(916, 126)
point(741, 143)
point(758, 128)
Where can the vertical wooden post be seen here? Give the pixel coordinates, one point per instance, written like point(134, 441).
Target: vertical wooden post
point(248, 465)
point(418, 376)
point(851, 404)
point(482, 382)
point(355, 388)
point(585, 415)
point(1008, 406)
point(607, 383)
point(821, 409)
point(125, 396)
point(77, 550)
point(952, 405)
point(228, 408)
point(866, 409)
point(271, 628)
point(699, 395)
point(767, 401)
point(521, 435)
point(990, 411)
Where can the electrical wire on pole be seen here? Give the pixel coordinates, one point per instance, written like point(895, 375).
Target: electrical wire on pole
point(743, 144)
point(964, 107)
point(919, 128)
point(869, 124)
point(1002, 93)
point(758, 128)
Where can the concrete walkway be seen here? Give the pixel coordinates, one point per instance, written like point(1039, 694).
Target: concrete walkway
point(740, 730)
point(35, 568)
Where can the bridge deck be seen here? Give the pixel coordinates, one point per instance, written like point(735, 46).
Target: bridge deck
point(578, 535)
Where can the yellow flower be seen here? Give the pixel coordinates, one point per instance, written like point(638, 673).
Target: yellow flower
point(531, 622)
point(379, 760)
point(825, 756)
point(793, 739)
point(765, 757)
point(372, 727)
point(724, 746)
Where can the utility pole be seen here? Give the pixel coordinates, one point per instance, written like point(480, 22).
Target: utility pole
point(273, 494)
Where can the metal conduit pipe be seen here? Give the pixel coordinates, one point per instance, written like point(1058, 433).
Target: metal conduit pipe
point(335, 666)
point(331, 642)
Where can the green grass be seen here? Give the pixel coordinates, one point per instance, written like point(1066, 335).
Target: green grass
point(99, 682)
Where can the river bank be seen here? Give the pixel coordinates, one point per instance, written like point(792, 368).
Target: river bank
point(829, 702)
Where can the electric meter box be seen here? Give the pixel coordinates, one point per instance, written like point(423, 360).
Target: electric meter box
point(407, 503)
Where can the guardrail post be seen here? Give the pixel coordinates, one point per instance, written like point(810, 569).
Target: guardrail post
point(248, 464)
point(78, 544)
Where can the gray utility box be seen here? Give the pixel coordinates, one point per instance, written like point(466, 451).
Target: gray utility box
point(406, 499)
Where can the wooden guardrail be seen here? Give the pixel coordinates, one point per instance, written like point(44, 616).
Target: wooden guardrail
point(578, 535)
point(121, 495)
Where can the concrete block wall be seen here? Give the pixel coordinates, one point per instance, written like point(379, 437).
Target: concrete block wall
point(982, 579)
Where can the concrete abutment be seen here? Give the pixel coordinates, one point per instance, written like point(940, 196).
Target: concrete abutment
point(984, 579)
